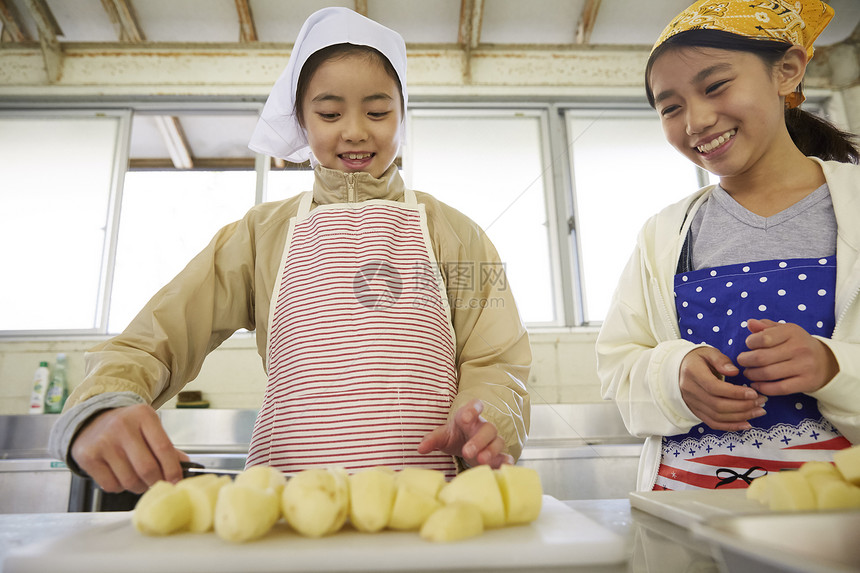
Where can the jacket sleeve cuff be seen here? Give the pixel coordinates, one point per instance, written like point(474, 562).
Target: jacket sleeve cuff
point(664, 373)
point(70, 422)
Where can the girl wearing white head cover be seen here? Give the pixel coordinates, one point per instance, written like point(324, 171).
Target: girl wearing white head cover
point(279, 132)
point(383, 316)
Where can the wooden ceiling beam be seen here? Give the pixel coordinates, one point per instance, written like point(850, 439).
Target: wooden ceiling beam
point(174, 138)
point(471, 19)
point(121, 14)
point(13, 31)
point(247, 29)
point(586, 21)
point(52, 52)
point(469, 33)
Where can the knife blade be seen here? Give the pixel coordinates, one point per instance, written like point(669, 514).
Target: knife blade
point(190, 469)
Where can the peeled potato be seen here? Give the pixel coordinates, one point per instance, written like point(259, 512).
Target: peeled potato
point(421, 480)
point(477, 486)
point(315, 502)
point(202, 494)
point(522, 493)
point(411, 508)
point(243, 513)
point(814, 468)
point(837, 494)
point(262, 477)
point(453, 522)
point(848, 463)
point(759, 489)
point(162, 510)
point(371, 497)
point(790, 491)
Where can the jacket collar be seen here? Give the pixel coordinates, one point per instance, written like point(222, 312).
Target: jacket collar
point(332, 186)
point(843, 179)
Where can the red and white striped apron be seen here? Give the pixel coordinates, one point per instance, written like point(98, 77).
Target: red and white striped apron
point(361, 351)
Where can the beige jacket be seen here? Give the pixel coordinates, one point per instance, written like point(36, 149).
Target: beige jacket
point(228, 286)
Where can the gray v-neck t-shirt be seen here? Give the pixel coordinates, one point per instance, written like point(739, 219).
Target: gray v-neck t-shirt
point(725, 233)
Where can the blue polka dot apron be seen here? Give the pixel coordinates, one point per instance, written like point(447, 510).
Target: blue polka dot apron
point(713, 307)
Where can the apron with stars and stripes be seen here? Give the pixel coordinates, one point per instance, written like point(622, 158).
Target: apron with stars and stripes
point(361, 352)
point(713, 305)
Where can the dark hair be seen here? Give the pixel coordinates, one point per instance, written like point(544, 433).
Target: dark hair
point(811, 134)
point(333, 52)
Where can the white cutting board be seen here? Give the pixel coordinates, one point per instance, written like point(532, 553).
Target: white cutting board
point(560, 536)
point(687, 507)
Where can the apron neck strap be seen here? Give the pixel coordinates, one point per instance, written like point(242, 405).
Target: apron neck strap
point(409, 197)
point(305, 204)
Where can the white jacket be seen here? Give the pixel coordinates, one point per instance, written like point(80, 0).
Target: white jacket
point(640, 349)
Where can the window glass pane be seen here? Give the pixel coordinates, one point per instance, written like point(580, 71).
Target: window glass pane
point(167, 218)
point(497, 180)
point(286, 183)
point(54, 196)
point(624, 171)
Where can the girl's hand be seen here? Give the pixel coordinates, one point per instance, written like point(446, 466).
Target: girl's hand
point(785, 359)
point(719, 404)
point(127, 449)
point(468, 436)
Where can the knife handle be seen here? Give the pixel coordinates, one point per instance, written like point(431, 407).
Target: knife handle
point(188, 466)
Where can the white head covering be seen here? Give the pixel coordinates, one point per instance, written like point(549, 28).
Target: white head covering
point(278, 132)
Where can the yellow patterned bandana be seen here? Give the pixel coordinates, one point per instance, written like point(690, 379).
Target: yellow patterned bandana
point(796, 21)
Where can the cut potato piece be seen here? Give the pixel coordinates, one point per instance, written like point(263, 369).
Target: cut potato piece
point(202, 494)
point(162, 510)
point(837, 494)
point(790, 491)
point(479, 487)
point(411, 508)
point(812, 468)
point(521, 492)
point(315, 502)
point(848, 463)
point(453, 522)
point(819, 480)
point(371, 497)
point(759, 489)
point(262, 477)
point(421, 480)
point(243, 513)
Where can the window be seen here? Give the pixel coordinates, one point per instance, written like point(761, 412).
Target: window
point(623, 172)
point(499, 181)
point(167, 218)
point(58, 173)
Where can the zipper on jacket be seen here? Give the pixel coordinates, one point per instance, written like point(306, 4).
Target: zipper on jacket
point(664, 309)
point(350, 187)
point(844, 312)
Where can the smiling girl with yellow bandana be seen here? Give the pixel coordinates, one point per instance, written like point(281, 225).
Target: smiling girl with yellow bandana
point(733, 340)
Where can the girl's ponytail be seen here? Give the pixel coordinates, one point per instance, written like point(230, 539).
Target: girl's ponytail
point(819, 138)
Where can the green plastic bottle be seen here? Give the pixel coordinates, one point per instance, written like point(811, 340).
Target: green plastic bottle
point(58, 388)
